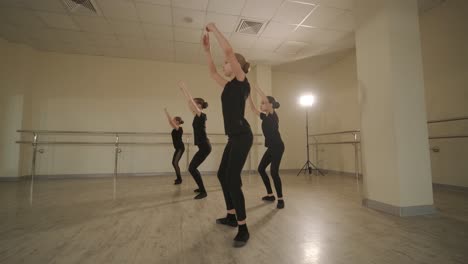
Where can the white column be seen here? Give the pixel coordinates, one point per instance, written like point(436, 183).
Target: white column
point(397, 174)
point(11, 115)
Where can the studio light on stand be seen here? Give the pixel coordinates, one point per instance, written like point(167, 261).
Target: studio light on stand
point(307, 101)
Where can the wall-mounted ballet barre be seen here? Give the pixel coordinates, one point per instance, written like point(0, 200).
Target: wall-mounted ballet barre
point(117, 143)
point(460, 118)
point(356, 141)
point(436, 149)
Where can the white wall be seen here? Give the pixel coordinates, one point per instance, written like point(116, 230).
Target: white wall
point(336, 109)
point(445, 64)
point(14, 68)
point(75, 92)
point(445, 55)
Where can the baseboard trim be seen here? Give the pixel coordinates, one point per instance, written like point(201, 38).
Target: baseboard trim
point(334, 172)
point(399, 211)
point(103, 175)
point(13, 179)
point(344, 173)
point(450, 187)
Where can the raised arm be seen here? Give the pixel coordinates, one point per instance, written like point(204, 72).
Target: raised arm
point(253, 107)
point(171, 120)
point(211, 66)
point(191, 103)
point(261, 93)
point(228, 51)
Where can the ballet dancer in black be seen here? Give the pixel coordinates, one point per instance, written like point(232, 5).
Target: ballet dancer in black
point(179, 146)
point(274, 144)
point(233, 98)
point(197, 105)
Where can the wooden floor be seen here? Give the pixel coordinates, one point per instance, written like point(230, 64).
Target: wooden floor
point(151, 221)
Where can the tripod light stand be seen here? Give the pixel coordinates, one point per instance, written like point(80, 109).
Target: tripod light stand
point(307, 101)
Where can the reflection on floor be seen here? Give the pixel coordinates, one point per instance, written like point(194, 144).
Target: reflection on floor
point(152, 221)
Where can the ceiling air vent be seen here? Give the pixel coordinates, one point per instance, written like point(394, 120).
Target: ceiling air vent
point(82, 6)
point(249, 27)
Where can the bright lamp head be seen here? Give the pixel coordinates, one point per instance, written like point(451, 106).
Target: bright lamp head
point(306, 100)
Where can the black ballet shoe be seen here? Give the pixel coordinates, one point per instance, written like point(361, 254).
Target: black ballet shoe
point(229, 220)
point(280, 204)
point(268, 198)
point(201, 195)
point(242, 237)
point(197, 191)
point(177, 181)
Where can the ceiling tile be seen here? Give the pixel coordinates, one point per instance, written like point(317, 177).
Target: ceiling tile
point(241, 41)
point(158, 31)
point(261, 9)
point(12, 3)
point(310, 50)
point(163, 46)
point(120, 52)
point(46, 5)
point(183, 47)
point(191, 4)
point(187, 35)
point(76, 37)
point(225, 23)
point(112, 51)
point(226, 6)
point(159, 55)
point(268, 44)
point(156, 14)
point(188, 60)
point(265, 57)
point(291, 47)
point(126, 28)
point(157, 39)
point(5, 28)
point(292, 12)
point(342, 4)
point(14, 34)
point(55, 47)
point(330, 36)
point(93, 24)
point(344, 43)
point(304, 34)
point(180, 16)
point(102, 40)
point(87, 50)
point(218, 61)
point(20, 17)
point(316, 35)
point(44, 35)
point(133, 43)
point(344, 22)
point(187, 52)
point(155, 2)
point(322, 16)
point(121, 9)
point(129, 53)
point(315, 2)
point(58, 21)
point(277, 30)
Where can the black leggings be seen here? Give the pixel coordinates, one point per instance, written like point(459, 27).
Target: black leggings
point(272, 155)
point(229, 173)
point(175, 161)
point(204, 149)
